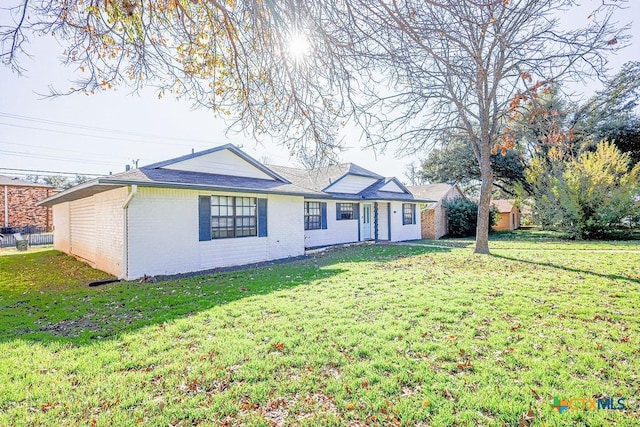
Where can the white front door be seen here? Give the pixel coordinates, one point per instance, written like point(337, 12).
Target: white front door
point(366, 221)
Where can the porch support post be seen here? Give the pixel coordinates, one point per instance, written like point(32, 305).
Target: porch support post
point(375, 221)
point(389, 221)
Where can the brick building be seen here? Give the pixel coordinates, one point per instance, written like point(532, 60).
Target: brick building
point(18, 200)
point(508, 215)
point(434, 215)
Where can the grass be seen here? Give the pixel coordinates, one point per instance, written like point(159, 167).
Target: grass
point(372, 335)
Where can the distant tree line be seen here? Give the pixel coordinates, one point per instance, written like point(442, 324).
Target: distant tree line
point(59, 181)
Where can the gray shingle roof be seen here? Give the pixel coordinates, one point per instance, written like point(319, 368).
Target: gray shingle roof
point(287, 181)
point(184, 179)
point(373, 192)
point(320, 178)
point(434, 192)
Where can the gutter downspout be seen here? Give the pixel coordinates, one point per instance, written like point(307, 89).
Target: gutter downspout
point(6, 206)
point(133, 190)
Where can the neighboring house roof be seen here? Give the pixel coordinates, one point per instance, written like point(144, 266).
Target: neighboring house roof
point(433, 192)
point(285, 180)
point(16, 182)
point(503, 205)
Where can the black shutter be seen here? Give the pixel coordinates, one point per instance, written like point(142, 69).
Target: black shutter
point(204, 218)
point(413, 211)
point(356, 211)
point(338, 216)
point(323, 213)
point(262, 217)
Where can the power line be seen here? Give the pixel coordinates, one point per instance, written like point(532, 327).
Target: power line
point(20, 172)
point(93, 136)
point(20, 144)
point(64, 159)
point(99, 129)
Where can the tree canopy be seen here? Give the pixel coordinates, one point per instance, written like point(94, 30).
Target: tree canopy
point(456, 162)
point(587, 196)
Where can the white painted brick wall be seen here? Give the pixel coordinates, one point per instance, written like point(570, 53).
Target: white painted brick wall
point(83, 229)
point(286, 226)
point(337, 232)
point(400, 232)
point(92, 229)
point(61, 236)
point(161, 239)
point(109, 235)
point(163, 234)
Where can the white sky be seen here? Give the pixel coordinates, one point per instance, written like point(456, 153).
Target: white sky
point(165, 128)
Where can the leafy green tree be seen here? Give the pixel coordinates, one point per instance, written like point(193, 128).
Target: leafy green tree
point(456, 162)
point(59, 181)
point(587, 196)
point(611, 114)
point(462, 217)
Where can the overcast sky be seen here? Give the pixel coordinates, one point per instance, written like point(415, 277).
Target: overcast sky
point(62, 134)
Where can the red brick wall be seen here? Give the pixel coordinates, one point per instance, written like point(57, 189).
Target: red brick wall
point(22, 207)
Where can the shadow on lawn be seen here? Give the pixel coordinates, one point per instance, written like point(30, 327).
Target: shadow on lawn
point(574, 270)
point(72, 312)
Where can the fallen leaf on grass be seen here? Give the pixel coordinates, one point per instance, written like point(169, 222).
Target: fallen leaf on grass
point(446, 393)
point(46, 407)
point(527, 419)
point(465, 366)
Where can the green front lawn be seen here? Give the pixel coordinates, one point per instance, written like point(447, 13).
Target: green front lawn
point(372, 335)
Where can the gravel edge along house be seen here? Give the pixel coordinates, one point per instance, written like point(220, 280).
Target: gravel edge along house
point(220, 208)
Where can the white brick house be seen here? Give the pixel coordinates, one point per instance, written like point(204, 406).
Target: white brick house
point(220, 208)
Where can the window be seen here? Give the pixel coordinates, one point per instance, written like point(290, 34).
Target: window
point(312, 216)
point(233, 217)
point(344, 211)
point(408, 213)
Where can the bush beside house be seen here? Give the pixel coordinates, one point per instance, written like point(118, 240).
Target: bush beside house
point(462, 217)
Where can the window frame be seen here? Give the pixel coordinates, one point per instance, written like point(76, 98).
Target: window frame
point(240, 217)
point(316, 217)
point(341, 211)
point(412, 212)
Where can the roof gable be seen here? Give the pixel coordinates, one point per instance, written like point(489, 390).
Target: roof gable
point(351, 184)
point(225, 160)
point(392, 185)
point(320, 179)
point(504, 205)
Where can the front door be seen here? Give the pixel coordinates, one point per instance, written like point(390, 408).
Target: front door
point(366, 222)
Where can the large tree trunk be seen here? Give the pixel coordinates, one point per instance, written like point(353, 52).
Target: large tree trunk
point(484, 204)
